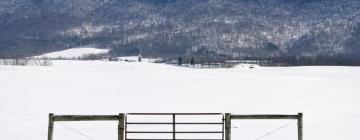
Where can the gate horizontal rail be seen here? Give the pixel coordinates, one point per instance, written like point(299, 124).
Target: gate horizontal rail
point(174, 132)
point(191, 123)
point(175, 113)
point(172, 139)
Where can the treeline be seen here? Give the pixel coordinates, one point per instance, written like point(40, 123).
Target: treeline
point(335, 60)
point(99, 56)
point(26, 62)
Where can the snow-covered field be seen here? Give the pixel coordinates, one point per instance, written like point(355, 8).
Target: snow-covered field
point(329, 97)
point(73, 53)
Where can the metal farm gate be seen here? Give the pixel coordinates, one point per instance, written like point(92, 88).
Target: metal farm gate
point(174, 126)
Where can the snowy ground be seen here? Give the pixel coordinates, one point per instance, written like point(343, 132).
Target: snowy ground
point(329, 97)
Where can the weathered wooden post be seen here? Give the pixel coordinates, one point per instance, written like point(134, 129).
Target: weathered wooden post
point(227, 126)
point(121, 126)
point(300, 126)
point(51, 126)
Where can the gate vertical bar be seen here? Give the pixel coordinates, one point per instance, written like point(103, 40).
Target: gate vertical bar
point(126, 127)
point(51, 126)
point(300, 126)
point(121, 127)
point(227, 126)
point(174, 128)
point(223, 127)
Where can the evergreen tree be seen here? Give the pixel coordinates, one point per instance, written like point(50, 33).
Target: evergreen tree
point(139, 58)
point(179, 61)
point(192, 61)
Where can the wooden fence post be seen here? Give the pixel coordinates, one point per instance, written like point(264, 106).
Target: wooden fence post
point(51, 126)
point(121, 126)
point(227, 126)
point(300, 126)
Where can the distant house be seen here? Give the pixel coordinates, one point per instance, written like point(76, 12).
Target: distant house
point(113, 59)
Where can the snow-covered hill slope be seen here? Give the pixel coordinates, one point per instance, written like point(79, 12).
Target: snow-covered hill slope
point(73, 53)
point(328, 96)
